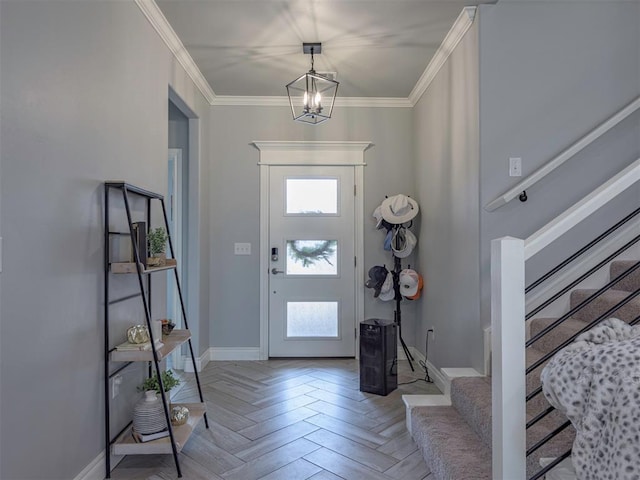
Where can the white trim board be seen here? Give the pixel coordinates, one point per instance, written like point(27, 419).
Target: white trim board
point(439, 380)
point(314, 153)
point(172, 41)
point(160, 23)
point(234, 353)
point(96, 468)
point(201, 362)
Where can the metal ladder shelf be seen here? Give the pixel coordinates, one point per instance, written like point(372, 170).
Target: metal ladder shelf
point(121, 443)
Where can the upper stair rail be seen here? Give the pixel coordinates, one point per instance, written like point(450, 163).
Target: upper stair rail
point(565, 155)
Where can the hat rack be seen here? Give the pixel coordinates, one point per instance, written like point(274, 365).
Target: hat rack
point(397, 314)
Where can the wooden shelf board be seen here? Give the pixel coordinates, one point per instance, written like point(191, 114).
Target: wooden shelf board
point(130, 267)
point(125, 444)
point(171, 342)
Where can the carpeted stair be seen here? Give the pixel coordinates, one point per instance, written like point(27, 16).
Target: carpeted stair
point(456, 440)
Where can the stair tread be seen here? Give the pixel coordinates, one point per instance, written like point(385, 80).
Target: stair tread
point(603, 303)
point(557, 336)
point(449, 445)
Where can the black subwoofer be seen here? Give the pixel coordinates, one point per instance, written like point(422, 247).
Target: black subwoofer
point(378, 356)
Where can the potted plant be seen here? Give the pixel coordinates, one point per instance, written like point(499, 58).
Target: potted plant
point(148, 412)
point(157, 245)
point(151, 383)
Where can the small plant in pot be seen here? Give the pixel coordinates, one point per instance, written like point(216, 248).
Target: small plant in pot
point(148, 412)
point(157, 245)
point(151, 383)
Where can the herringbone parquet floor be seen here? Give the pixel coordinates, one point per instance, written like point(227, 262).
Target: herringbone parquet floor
point(292, 420)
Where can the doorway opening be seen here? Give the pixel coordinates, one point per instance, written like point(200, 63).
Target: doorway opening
point(183, 212)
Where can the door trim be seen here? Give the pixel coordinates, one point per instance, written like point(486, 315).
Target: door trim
point(309, 153)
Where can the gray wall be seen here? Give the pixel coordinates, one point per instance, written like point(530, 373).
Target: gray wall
point(528, 79)
point(235, 200)
point(549, 73)
point(447, 181)
point(84, 99)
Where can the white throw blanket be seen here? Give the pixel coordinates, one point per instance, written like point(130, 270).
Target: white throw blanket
point(595, 382)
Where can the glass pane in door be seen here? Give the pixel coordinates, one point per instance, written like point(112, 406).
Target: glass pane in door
point(312, 257)
point(311, 196)
point(312, 319)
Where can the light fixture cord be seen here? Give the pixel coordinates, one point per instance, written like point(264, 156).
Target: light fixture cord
point(312, 69)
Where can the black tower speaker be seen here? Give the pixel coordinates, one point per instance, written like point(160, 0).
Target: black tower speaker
point(378, 356)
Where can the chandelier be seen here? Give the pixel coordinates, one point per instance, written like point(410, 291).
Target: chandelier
point(312, 95)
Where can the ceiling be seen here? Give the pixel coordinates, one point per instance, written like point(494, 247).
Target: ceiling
point(378, 48)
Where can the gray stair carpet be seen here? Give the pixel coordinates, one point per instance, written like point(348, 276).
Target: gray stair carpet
point(456, 440)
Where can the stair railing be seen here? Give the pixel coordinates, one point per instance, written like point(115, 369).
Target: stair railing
point(508, 259)
point(555, 162)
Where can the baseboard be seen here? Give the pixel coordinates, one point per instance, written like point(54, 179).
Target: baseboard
point(95, 470)
point(201, 362)
point(434, 373)
point(234, 353)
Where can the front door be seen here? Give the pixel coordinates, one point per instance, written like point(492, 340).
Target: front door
point(312, 267)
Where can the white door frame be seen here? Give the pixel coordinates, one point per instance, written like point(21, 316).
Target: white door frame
point(307, 154)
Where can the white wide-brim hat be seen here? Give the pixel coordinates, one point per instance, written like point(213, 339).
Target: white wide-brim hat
point(399, 209)
point(409, 282)
point(403, 242)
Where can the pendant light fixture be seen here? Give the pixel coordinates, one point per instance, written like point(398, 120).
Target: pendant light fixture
point(312, 95)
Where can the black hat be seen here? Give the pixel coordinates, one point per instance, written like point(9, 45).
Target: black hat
point(377, 276)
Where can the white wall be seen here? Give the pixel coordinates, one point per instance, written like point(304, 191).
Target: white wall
point(84, 99)
point(447, 181)
point(235, 200)
point(549, 73)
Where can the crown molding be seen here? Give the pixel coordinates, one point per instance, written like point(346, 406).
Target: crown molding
point(171, 39)
point(160, 23)
point(283, 101)
point(456, 33)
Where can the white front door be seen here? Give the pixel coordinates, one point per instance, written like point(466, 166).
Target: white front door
point(312, 272)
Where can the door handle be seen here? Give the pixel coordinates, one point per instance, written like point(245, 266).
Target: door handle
point(275, 271)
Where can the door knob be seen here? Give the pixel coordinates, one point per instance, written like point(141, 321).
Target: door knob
point(275, 271)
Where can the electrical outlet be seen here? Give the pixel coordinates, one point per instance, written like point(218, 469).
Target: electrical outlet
point(115, 386)
point(433, 333)
point(515, 167)
point(242, 248)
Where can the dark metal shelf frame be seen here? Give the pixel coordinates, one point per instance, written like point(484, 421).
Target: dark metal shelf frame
point(127, 189)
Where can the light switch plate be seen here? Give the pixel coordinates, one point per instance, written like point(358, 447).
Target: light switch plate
point(242, 248)
point(515, 167)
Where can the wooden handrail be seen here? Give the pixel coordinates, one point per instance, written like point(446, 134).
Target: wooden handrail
point(558, 160)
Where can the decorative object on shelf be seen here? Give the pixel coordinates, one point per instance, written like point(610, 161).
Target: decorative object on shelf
point(179, 415)
point(139, 437)
point(167, 326)
point(138, 334)
point(157, 245)
point(140, 237)
point(148, 414)
point(168, 382)
point(312, 95)
point(308, 252)
point(399, 209)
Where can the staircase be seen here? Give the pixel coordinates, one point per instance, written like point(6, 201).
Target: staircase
point(456, 440)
